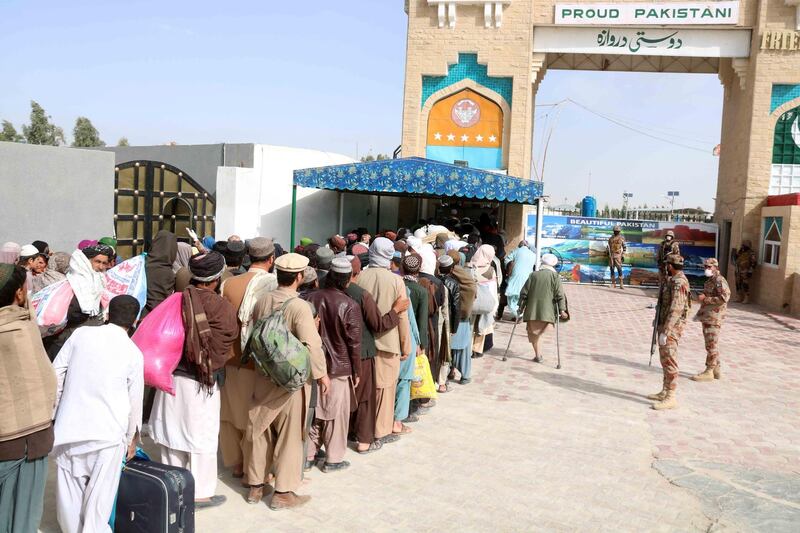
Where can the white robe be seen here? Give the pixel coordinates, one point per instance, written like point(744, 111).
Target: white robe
point(186, 426)
point(98, 412)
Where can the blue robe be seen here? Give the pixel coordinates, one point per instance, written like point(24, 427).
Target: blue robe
point(524, 262)
point(402, 399)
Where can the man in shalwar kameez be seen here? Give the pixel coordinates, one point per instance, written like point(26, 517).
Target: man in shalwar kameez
point(186, 425)
point(275, 430)
point(243, 292)
point(386, 288)
point(98, 415)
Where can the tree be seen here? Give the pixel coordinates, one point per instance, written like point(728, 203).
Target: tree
point(41, 130)
point(9, 133)
point(123, 141)
point(370, 157)
point(85, 135)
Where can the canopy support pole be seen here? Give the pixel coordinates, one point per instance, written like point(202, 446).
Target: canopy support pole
point(539, 223)
point(378, 216)
point(341, 213)
point(294, 217)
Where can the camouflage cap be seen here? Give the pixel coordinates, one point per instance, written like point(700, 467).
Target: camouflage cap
point(670, 233)
point(711, 262)
point(617, 228)
point(674, 259)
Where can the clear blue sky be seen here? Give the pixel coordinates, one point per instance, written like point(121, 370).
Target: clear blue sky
point(325, 75)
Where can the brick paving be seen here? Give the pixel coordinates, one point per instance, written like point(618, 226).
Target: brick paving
point(529, 447)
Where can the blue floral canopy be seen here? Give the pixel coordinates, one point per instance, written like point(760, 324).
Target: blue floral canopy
point(422, 177)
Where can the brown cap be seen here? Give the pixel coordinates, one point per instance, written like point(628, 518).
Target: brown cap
point(674, 260)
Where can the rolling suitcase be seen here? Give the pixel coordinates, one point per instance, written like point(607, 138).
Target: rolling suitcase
point(154, 498)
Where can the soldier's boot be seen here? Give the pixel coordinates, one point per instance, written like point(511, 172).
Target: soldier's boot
point(746, 299)
point(717, 372)
point(740, 297)
point(705, 375)
point(659, 396)
point(669, 402)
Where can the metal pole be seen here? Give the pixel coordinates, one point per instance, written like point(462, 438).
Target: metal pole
point(341, 213)
point(378, 216)
point(539, 224)
point(294, 217)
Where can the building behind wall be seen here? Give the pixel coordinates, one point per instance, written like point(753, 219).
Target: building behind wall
point(473, 69)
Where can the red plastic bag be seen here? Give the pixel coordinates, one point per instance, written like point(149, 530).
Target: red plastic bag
point(160, 338)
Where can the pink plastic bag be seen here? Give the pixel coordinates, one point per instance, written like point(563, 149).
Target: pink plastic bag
point(51, 305)
point(160, 338)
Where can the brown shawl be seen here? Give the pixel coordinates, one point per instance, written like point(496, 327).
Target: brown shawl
point(468, 288)
point(211, 329)
point(27, 379)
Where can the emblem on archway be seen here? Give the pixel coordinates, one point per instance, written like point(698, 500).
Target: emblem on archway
point(466, 113)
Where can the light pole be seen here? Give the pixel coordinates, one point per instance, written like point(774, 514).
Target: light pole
point(672, 195)
point(625, 197)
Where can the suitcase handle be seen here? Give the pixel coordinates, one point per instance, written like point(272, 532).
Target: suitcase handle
point(182, 517)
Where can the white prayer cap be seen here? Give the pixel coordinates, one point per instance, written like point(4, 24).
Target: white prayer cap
point(550, 260)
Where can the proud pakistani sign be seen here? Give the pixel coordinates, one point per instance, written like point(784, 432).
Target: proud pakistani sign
point(649, 13)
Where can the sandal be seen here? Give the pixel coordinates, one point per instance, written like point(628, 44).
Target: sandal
point(447, 388)
point(391, 437)
point(404, 430)
point(374, 447)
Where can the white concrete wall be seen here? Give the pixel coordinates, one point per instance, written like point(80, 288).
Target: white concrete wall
point(55, 194)
point(258, 201)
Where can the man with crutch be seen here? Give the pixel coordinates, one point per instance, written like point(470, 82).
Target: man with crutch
point(543, 303)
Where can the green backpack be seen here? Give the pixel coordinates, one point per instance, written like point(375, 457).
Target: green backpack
point(277, 353)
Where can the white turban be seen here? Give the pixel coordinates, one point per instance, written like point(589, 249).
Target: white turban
point(415, 243)
point(428, 260)
point(454, 245)
point(421, 233)
point(381, 252)
point(550, 260)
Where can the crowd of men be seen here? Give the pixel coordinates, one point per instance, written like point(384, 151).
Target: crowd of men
point(365, 307)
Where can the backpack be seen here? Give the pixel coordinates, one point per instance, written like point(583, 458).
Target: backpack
point(277, 353)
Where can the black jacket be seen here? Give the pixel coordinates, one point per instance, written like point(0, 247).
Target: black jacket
point(454, 302)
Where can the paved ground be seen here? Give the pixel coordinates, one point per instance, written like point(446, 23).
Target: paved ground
point(529, 447)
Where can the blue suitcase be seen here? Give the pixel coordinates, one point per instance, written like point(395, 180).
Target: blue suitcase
point(154, 498)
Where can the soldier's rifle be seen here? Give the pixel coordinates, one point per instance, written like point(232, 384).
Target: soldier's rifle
point(656, 318)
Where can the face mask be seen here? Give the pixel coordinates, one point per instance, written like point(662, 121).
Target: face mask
point(709, 272)
point(669, 239)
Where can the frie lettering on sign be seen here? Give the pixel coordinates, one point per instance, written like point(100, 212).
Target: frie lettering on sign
point(781, 40)
point(648, 13)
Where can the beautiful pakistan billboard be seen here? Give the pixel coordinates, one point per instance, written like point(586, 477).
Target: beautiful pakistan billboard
point(581, 244)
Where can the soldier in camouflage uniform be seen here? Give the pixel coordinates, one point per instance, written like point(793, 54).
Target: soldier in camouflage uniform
point(713, 304)
point(616, 254)
point(674, 311)
point(668, 247)
point(745, 259)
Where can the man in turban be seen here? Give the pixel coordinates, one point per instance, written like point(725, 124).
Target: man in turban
point(394, 345)
point(186, 425)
